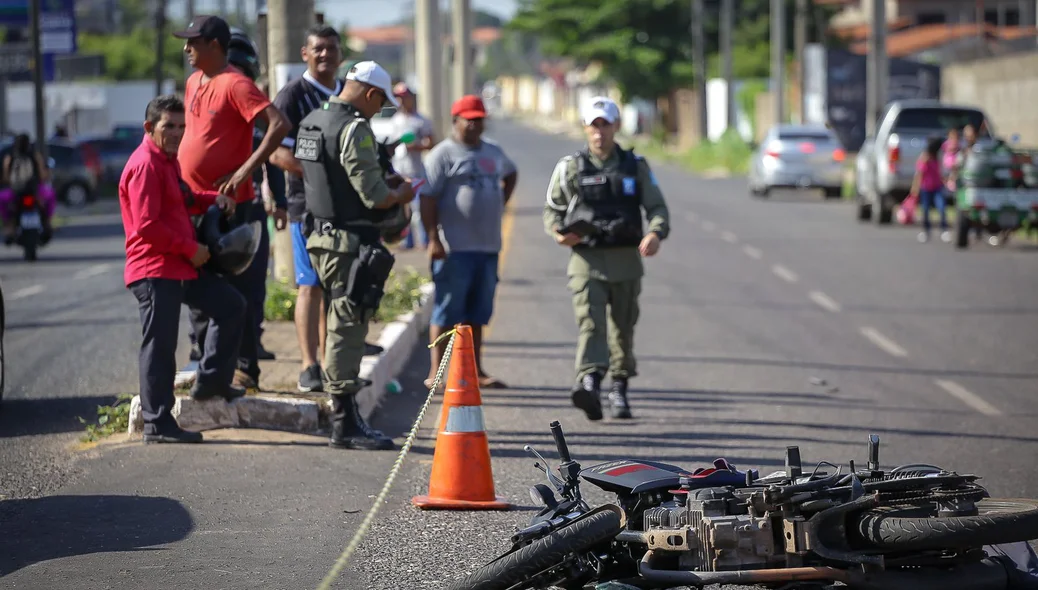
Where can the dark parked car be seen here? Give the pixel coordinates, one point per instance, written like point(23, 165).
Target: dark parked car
point(76, 169)
point(3, 321)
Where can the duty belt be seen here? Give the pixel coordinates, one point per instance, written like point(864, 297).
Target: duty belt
point(366, 231)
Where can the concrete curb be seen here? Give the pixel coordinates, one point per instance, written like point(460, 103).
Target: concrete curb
point(295, 414)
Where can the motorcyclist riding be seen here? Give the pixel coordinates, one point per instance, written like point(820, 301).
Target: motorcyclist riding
point(25, 173)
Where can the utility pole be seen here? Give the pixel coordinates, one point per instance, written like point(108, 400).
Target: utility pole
point(727, 24)
point(778, 59)
point(461, 29)
point(877, 69)
point(428, 59)
point(37, 78)
point(699, 65)
point(160, 45)
point(800, 42)
point(287, 22)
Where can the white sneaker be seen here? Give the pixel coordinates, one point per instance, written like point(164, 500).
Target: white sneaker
point(946, 236)
point(923, 237)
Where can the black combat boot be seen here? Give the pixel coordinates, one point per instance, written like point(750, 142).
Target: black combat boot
point(585, 396)
point(350, 431)
point(618, 406)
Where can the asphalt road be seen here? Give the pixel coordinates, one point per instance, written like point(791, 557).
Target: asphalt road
point(71, 344)
point(749, 307)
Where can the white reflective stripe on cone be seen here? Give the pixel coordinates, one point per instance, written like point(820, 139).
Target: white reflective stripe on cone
point(465, 419)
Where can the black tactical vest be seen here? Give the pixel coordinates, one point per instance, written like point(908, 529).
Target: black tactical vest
point(330, 197)
point(610, 199)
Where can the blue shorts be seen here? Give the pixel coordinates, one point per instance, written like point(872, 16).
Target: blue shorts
point(305, 275)
point(465, 286)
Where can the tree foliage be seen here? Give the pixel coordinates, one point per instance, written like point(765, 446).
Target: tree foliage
point(643, 44)
point(646, 45)
point(132, 56)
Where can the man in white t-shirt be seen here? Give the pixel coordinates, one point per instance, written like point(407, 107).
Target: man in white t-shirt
point(407, 160)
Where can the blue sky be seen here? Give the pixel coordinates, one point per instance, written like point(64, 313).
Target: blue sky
point(373, 13)
point(357, 13)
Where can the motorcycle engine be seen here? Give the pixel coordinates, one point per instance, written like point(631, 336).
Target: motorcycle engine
point(711, 532)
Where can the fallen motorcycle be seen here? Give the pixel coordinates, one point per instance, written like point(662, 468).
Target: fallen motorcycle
point(916, 527)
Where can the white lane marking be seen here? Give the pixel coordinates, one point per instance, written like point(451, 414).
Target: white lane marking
point(729, 237)
point(784, 273)
point(91, 271)
point(26, 292)
point(752, 252)
point(968, 397)
point(709, 226)
point(884, 343)
point(824, 301)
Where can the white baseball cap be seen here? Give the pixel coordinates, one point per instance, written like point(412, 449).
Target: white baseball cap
point(370, 72)
point(601, 107)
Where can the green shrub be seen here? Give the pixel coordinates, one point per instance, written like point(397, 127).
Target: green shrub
point(403, 294)
point(280, 304)
point(110, 419)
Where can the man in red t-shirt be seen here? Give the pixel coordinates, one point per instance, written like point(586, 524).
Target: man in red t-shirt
point(223, 105)
point(163, 270)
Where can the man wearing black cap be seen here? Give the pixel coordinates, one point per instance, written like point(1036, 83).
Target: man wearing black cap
point(223, 107)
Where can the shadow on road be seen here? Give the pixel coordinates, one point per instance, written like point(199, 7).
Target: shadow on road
point(15, 326)
point(29, 417)
point(34, 531)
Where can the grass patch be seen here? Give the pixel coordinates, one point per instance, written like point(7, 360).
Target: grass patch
point(403, 294)
point(729, 154)
point(280, 304)
point(110, 419)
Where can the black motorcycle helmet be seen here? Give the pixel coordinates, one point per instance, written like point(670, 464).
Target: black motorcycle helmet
point(243, 53)
point(231, 246)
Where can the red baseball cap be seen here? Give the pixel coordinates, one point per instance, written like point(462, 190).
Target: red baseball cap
point(469, 106)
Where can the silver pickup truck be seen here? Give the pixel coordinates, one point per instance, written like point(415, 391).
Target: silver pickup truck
point(885, 164)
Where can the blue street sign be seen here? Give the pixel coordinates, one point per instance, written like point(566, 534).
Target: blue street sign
point(57, 23)
point(57, 30)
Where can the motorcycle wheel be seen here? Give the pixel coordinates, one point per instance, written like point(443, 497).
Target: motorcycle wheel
point(998, 521)
point(30, 243)
point(510, 571)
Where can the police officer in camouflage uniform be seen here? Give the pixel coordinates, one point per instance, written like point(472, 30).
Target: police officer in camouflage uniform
point(594, 206)
point(348, 201)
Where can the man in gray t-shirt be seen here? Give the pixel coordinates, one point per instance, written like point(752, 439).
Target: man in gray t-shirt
point(469, 180)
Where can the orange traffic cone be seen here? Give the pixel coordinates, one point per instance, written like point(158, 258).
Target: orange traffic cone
point(461, 476)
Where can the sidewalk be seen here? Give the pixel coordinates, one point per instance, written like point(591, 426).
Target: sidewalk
point(279, 405)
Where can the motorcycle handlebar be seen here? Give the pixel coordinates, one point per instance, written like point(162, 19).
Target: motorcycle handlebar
point(560, 441)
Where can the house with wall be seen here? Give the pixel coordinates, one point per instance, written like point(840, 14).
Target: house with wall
point(941, 31)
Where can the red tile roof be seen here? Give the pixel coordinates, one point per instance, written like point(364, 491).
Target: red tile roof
point(400, 34)
point(916, 39)
point(861, 32)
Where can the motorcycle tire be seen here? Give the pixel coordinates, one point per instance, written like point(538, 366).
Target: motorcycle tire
point(511, 570)
point(998, 521)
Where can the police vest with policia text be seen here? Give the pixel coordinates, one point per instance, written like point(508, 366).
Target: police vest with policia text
point(330, 196)
point(609, 200)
